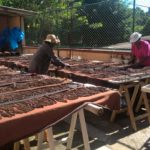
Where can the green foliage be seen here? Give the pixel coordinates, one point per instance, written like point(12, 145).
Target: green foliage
point(81, 22)
point(146, 29)
point(140, 20)
point(107, 21)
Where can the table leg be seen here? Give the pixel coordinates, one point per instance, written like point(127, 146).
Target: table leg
point(84, 130)
point(146, 105)
point(130, 108)
point(71, 131)
point(16, 145)
point(50, 139)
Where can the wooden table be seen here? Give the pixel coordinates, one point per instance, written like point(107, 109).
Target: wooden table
point(124, 88)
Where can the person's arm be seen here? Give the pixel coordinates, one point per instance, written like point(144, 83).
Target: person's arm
point(132, 59)
point(133, 62)
point(56, 61)
point(145, 53)
point(144, 59)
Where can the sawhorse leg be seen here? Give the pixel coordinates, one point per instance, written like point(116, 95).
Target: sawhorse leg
point(26, 144)
point(51, 141)
point(144, 95)
point(124, 89)
point(130, 102)
point(83, 129)
point(140, 99)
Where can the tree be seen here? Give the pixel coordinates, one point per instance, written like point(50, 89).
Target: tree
point(106, 21)
point(88, 23)
point(140, 19)
point(146, 28)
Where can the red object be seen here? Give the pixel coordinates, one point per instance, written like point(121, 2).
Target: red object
point(26, 124)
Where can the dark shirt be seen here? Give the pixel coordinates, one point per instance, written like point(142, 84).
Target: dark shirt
point(42, 58)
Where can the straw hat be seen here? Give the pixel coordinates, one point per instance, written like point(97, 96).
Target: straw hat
point(51, 38)
point(135, 37)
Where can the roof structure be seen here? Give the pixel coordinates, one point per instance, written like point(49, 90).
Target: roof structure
point(4, 10)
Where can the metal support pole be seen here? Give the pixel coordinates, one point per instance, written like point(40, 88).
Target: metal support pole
point(133, 25)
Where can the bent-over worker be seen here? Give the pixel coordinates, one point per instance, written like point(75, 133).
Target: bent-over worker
point(140, 50)
point(45, 55)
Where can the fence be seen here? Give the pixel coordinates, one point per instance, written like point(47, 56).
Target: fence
point(90, 25)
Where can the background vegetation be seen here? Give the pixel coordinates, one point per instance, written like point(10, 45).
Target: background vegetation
point(82, 23)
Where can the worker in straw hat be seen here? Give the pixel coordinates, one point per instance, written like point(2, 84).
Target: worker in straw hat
point(45, 55)
point(140, 50)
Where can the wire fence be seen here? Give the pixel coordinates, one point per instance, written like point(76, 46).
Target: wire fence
point(90, 25)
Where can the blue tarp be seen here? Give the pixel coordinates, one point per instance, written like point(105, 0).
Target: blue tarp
point(11, 37)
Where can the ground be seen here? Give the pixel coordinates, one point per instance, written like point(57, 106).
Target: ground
point(105, 135)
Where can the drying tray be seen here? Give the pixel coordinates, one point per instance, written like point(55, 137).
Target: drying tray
point(107, 74)
point(42, 101)
point(112, 76)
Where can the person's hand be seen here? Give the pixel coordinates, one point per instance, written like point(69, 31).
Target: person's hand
point(67, 65)
point(63, 66)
